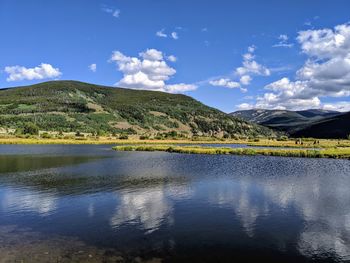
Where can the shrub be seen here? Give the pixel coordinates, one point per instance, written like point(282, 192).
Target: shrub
point(123, 137)
point(78, 134)
point(45, 135)
point(30, 128)
point(226, 136)
point(19, 131)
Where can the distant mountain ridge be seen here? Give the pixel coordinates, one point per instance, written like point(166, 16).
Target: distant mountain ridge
point(337, 127)
point(77, 106)
point(284, 120)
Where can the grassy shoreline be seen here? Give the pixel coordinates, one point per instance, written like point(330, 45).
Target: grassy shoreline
point(327, 148)
point(107, 140)
point(338, 153)
point(307, 143)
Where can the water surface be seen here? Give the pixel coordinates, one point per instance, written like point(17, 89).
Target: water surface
point(88, 203)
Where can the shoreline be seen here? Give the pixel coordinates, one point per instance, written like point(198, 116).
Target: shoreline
point(307, 143)
point(336, 153)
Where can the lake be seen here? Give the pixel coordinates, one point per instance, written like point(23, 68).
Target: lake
point(88, 203)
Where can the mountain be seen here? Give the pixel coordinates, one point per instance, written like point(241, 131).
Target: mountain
point(284, 120)
point(332, 127)
point(318, 113)
point(77, 106)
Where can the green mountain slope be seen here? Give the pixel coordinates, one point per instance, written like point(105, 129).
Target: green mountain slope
point(333, 127)
point(284, 120)
point(73, 106)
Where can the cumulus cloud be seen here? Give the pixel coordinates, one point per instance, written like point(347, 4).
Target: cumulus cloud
point(343, 106)
point(245, 106)
point(148, 71)
point(250, 66)
point(43, 71)
point(179, 88)
point(152, 55)
point(245, 80)
point(326, 43)
point(287, 94)
point(93, 67)
point(326, 72)
point(243, 74)
point(283, 42)
point(225, 83)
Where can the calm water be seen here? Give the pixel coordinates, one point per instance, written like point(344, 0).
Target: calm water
point(92, 204)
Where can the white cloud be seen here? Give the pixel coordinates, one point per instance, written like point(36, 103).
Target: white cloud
point(245, 106)
point(283, 37)
point(245, 80)
point(116, 13)
point(174, 35)
point(152, 55)
point(326, 43)
point(280, 44)
point(225, 82)
point(287, 94)
point(113, 12)
point(179, 88)
point(93, 67)
point(148, 71)
point(251, 49)
point(343, 106)
point(204, 29)
point(161, 33)
point(326, 72)
point(107, 9)
point(43, 71)
point(244, 73)
point(283, 41)
point(172, 58)
point(250, 66)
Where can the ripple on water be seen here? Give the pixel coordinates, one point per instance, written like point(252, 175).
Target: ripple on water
point(157, 205)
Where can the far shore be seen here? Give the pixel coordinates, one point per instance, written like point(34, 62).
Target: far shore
point(289, 143)
point(336, 153)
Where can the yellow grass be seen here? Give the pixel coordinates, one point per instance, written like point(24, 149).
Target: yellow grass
point(306, 143)
point(323, 153)
point(109, 140)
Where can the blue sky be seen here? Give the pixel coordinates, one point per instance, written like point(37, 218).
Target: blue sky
point(228, 54)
